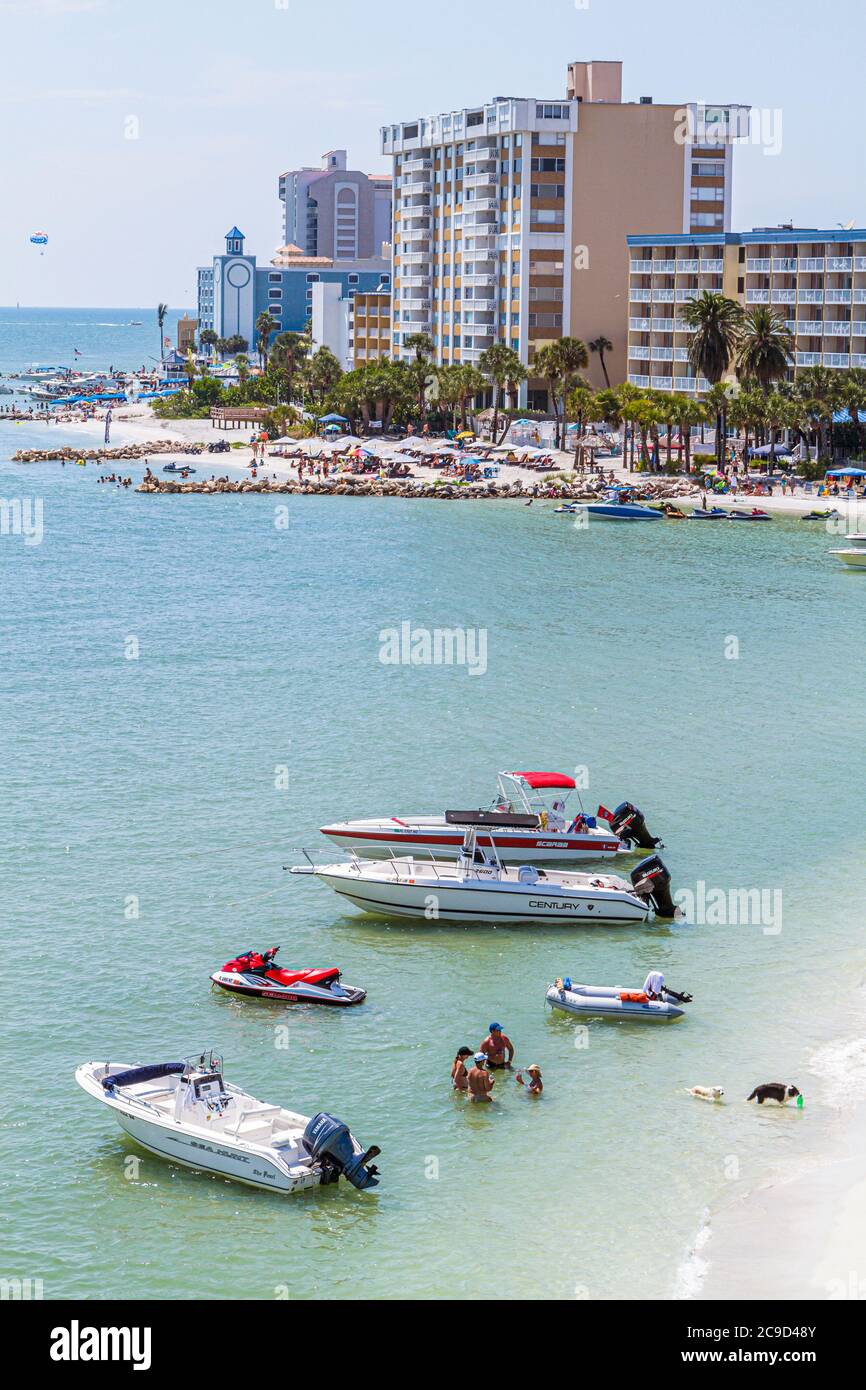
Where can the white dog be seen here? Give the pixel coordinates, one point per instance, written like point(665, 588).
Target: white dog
point(706, 1092)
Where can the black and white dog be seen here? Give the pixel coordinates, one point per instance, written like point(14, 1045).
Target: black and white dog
point(774, 1090)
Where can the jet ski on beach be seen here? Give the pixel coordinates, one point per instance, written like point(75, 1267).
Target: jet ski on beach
point(256, 973)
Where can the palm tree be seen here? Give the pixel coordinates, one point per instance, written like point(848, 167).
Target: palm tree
point(818, 388)
point(422, 346)
point(601, 345)
point(546, 365)
point(687, 414)
point(242, 362)
point(764, 347)
point(716, 321)
point(208, 339)
point(472, 384)
point(287, 354)
point(583, 402)
point(852, 395)
point(628, 396)
point(161, 311)
point(574, 359)
point(717, 401)
point(501, 365)
point(265, 326)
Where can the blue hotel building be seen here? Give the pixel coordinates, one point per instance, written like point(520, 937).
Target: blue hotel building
point(234, 290)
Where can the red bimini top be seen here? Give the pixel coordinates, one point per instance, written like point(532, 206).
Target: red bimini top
point(538, 780)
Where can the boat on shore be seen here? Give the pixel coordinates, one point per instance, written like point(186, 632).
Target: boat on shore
point(527, 822)
point(479, 888)
point(187, 1112)
point(622, 511)
point(610, 1001)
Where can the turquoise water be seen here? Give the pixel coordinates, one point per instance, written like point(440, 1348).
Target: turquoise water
point(148, 784)
point(104, 338)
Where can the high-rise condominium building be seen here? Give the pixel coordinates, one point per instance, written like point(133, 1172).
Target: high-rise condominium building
point(334, 211)
point(816, 280)
point(510, 218)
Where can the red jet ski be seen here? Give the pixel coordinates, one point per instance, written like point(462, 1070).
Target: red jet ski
point(257, 974)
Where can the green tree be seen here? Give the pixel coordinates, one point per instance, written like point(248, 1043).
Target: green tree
point(765, 347)
point(501, 366)
point(716, 321)
point(601, 345)
point(265, 326)
point(288, 352)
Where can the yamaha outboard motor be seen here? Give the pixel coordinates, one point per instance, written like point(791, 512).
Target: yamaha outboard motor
point(629, 824)
point(651, 880)
point(329, 1142)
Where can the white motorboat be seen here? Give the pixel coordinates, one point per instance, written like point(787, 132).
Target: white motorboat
point(550, 836)
point(854, 555)
point(186, 1112)
point(479, 888)
point(612, 1001)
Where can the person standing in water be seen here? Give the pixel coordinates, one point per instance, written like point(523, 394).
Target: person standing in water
point(497, 1047)
point(534, 1084)
point(459, 1074)
point(480, 1082)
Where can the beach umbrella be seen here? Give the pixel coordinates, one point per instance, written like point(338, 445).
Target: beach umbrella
point(465, 434)
point(333, 417)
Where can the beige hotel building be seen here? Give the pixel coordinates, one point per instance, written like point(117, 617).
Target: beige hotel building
point(816, 280)
point(511, 218)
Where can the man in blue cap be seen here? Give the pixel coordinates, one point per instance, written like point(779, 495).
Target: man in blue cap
point(497, 1047)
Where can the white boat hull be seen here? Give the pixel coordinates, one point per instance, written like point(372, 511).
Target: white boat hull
point(379, 839)
point(854, 559)
point(209, 1155)
point(416, 890)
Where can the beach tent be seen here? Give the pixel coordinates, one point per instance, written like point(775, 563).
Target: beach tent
point(846, 473)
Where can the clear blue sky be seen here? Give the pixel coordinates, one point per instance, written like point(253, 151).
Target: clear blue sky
point(227, 95)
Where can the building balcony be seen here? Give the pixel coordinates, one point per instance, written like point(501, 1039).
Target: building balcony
point(858, 328)
point(639, 325)
point(486, 204)
point(757, 296)
point(681, 354)
point(838, 264)
point(858, 359)
point(663, 296)
point(807, 359)
point(688, 267)
point(477, 217)
point(784, 297)
point(664, 267)
point(640, 296)
point(411, 201)
point(684, 295)
point(415, 315)
point(480, 305)
point(480, 243)
point(785, 265)
point(640, 267)
point(860, 262)
point(662, 325)
point(661, 354)
point(485, 184)
point(758, 265)
point(859, 296)
point(837, 296)
point(637, 380)
point(835, 359)
point(662, 383)
point(413, 166)
point(712, 267)
point(416, 280)
point(417, 183)
point(810, 296)
point(639, 354)
point(811, 263)
point(418, 257)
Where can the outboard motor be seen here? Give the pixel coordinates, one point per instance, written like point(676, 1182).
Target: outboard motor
point(651, 880)
point(629, 824)
point(329, 1142)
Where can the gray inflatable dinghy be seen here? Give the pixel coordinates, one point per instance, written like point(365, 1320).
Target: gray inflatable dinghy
point(609, 1001)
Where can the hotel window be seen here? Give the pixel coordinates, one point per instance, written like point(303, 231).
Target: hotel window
point(708, 170)
point(274, 275)
point(546, 190)
point(353, 279)
point(547, 166)
point(707, 219)
point(275, 294)
point(706, 195)
point(311, 278)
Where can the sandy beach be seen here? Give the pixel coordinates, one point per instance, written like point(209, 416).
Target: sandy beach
point(139, 425)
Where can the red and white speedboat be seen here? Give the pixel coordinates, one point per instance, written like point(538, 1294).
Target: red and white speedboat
point(541, 797)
